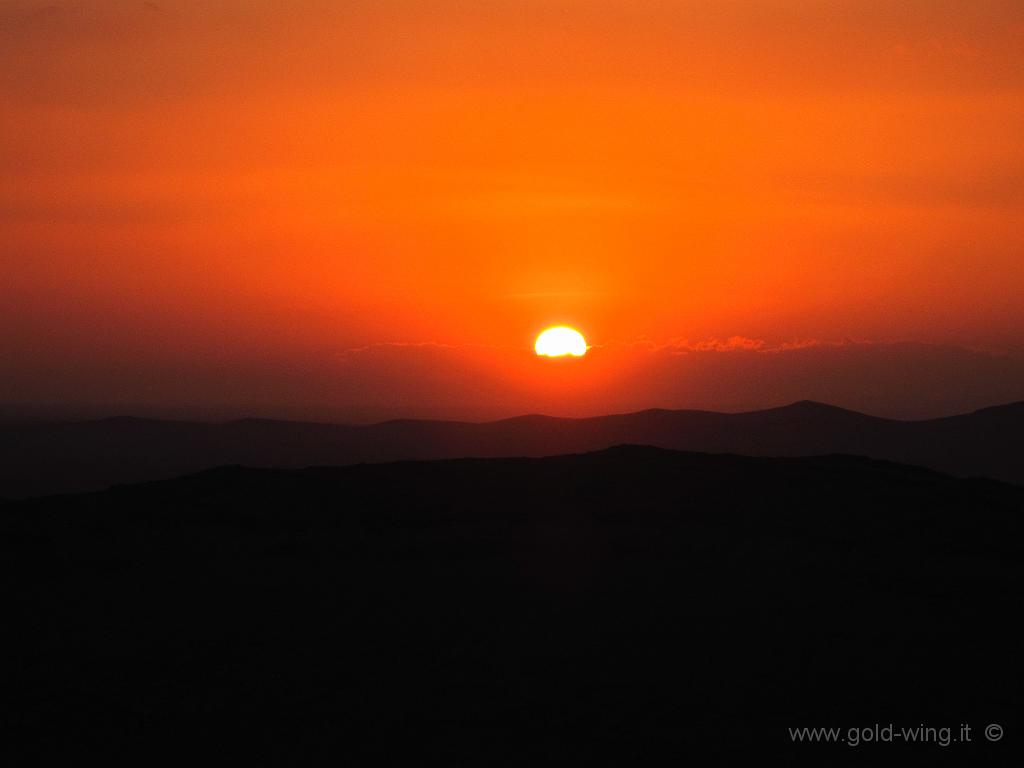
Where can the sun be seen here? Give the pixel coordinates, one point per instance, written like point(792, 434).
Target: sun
point(560, 341)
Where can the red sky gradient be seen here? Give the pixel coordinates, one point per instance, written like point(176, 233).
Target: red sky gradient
point(360, 210)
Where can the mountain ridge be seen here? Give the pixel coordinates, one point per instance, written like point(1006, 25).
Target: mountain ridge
point(793, 407)
point(57, 457)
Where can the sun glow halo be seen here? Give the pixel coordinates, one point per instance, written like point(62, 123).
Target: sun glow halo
point(560, 341)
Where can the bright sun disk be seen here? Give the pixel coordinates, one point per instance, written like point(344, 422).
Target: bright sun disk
point(560, 341)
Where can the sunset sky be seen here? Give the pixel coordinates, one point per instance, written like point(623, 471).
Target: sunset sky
point(359, 210)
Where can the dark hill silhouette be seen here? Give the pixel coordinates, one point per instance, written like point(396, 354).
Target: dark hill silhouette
point(41, 458)
point(632, 606)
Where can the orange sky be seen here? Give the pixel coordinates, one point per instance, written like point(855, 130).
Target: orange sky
point(217, 203)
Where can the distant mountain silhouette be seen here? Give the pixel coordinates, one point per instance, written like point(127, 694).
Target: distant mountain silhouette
point(635, 606)
point(41, 458)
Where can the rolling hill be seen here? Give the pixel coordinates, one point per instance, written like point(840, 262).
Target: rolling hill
point(42, 458)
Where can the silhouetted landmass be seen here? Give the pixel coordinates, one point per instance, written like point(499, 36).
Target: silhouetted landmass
point(636, 606)
point(39, 458)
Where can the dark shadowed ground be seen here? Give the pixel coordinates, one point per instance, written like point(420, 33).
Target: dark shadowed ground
point(636, 606)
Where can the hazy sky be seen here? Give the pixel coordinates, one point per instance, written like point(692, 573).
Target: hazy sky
point(351, 208)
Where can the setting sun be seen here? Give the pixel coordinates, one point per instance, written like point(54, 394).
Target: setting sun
point(561, 341)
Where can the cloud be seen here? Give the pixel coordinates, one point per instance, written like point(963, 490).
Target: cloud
point(731, 344)
point(436, 379)
point(385, 346)
point(902, 379)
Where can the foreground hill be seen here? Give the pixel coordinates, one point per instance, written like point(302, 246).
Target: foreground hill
point(38, 458)
point(634, 605)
